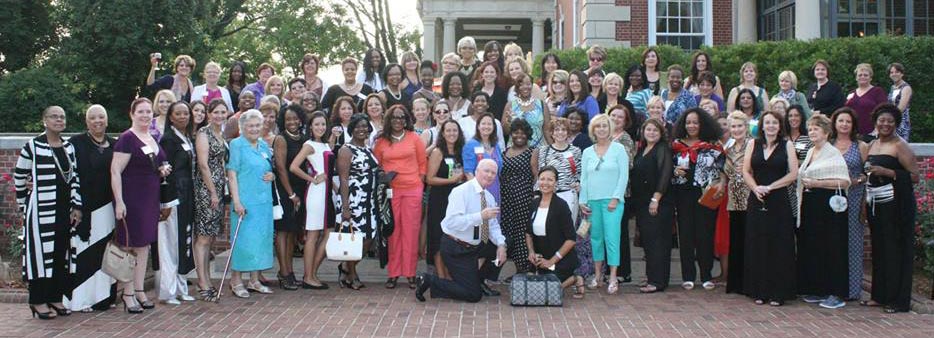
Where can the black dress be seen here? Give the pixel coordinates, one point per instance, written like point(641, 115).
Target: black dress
point(823, 263)
point(769, 265)
point(651, 173)
point(335, 92)
point(181, 155)
point(403, 98)
point(891, 226)
point(91, 286)
point(438, 204)
point(827, 99)
point(293, 220)
point(516, 188)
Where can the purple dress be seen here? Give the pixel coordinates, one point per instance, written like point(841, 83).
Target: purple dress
point(140, 191)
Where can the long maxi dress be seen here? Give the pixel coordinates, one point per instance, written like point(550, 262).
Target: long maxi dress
point(92, 287)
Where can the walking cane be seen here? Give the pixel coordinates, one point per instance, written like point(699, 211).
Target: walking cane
point(220, 287)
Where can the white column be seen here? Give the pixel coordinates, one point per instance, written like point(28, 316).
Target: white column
point(807, 20)
point(449, 43)
point(538, 36)
point(429, 47)
point(745, 29)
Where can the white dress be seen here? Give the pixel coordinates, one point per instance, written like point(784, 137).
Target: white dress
point(316, 197)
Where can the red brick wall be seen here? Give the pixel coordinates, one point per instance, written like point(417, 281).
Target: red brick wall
point(723, 24)
point(636, 31)
point(8, 210)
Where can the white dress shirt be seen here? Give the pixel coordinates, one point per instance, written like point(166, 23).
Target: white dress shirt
point(463, 214)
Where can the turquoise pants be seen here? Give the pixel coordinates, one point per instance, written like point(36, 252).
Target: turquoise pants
point(605, 231)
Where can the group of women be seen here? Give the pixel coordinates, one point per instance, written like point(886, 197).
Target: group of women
point(580, 154)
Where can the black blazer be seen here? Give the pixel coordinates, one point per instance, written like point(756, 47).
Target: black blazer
point(559, 227)
point(182, 162)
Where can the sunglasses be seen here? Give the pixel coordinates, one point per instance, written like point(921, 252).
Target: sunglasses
point(596, 59)
point(442, 111)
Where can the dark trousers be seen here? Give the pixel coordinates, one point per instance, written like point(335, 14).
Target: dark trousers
point(625, 252)
point(655, 233)
point(892, 256)
point(696, 225)
point(461, 261)
point(734, 281)
point(52, 289)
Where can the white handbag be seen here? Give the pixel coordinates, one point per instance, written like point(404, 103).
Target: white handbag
point(345, 246)
point(838, 201)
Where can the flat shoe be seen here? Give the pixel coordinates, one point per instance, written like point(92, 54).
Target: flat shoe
point(239, 291)
point(688, 285)
point(258, 287)
point(869, 303)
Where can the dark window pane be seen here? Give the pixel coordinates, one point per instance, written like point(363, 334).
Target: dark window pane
point(872, 28)
point(662, 26)
point(672, 8)
point(843, 29)
point(896, 7)
point(685, 25)
point(872, 6)
point(697, 25)
point(843, 6)
point(698, 8)
point(661, 8)
point(895, 27)
point(685, 9)
point(920, 26)
point(673, 26)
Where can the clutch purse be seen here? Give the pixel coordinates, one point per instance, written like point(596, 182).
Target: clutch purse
point(709, 199)
point(119, 261)
point(584, 228)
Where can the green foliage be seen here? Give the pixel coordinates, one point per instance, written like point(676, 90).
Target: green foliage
point(26, 29)
point(286, 30)
point(25, 93)
point(771, 58)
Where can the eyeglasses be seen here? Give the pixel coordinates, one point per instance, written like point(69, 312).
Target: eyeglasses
point(442, 111)
point(557, 82)
point(596, 59)
point(397, 117)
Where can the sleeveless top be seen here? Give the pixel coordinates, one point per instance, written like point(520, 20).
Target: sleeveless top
point(767, 171)
point(535, 117)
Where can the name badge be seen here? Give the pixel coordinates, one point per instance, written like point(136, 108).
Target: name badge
point(186, 147)
point(801, 146)
point(449, 161)
point(478, 150)
point(147, 150)
point(265, 156)
point(389, 193)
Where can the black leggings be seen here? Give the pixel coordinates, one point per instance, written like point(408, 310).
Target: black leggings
point(695, 234)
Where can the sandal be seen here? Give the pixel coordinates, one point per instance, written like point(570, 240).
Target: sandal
point(776, 303)
point(286, 283)
point(357, 284)
point(239, 290)
point(391, 282)
point(648, 288)
point(412, 283)
point(612, 287)
point(760, 301)
point(594, 283)
point(258, 287)
point(207, 294)
point(579, 288)
point(146, 304)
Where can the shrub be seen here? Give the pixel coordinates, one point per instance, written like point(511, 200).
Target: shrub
point(25, 93)
point(771, 58)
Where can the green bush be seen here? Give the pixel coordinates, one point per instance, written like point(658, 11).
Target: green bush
point(771, 58)
point(25, 93)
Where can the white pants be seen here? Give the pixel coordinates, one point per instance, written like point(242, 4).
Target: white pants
point(570, 196)
point(171, 284)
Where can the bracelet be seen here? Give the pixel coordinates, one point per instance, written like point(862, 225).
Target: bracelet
point(292, 196)
point(558, 254)
point(654, 200)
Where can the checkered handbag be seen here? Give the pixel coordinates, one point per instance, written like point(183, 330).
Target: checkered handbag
point(536, 290)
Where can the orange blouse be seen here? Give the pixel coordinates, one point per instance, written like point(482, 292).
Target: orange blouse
point(406, 157)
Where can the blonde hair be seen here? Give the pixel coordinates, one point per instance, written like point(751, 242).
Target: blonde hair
point(705, 101)
point(747, 64)
point(513, 47)
point(560, 75)
point(269, 85)
point(655, 100)
point(863, 66)
point(790, 77)
point(522, 64)
point(597, 50)
point(184, 58)
point(212, 64)
point(614, 76)
point(777, 99)
point(821, 121)
point(598, 119)
point(159, 94)
point(409, 56)
point(739, 116)
point(452, 56)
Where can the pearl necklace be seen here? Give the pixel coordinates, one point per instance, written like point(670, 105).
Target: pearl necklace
point(398, 138)
point(397, 97)
point(525, 103)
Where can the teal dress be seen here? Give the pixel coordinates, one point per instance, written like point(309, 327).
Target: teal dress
point(253, 250)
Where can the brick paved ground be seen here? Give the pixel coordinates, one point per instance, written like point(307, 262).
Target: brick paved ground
point(377, 312)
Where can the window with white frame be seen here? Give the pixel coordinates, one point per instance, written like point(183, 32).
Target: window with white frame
point(683, 23)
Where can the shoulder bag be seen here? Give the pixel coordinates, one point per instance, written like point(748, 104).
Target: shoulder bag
point(119, 261)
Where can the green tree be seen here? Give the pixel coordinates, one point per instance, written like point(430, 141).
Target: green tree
point(374, 21)
point(26, 30)
point(282, 31)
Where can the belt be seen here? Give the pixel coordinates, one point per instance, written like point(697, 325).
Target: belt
point(460, 242)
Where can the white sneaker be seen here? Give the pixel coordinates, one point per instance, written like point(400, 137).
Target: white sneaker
point(688, 285)
point(172, 301)
point(186, 298)
point(708, 285)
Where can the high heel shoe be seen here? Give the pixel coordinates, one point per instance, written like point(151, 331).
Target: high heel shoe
point(42, 315)
point(61, 311)
point(148, 304)
point(131, 309)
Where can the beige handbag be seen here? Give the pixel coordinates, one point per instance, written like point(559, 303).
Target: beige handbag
point(119, 261)
point(584, 228)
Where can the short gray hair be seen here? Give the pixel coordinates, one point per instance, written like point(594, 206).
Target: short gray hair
point(249, 115)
